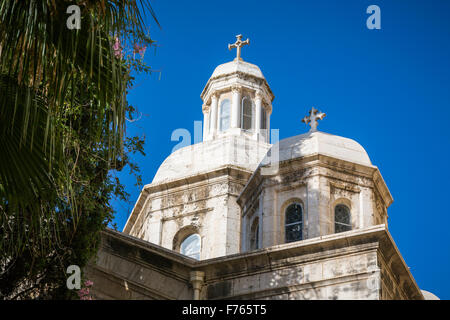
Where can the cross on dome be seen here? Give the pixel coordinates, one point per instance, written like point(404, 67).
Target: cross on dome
point(312, 119)
point(238, 45)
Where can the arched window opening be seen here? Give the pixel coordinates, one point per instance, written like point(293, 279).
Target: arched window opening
point(247, 114)
point(293, 222)
point(263, 119)
point(224, 115)
point(191, 246)
point(342, 219)
point(254, 235)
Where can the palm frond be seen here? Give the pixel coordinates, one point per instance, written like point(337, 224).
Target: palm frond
point(41, 54)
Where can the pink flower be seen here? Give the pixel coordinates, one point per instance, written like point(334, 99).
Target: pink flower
point(139, 49)
point(83, 292)
point(117, 48)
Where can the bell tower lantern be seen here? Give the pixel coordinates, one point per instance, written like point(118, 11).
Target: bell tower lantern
point(237, 100)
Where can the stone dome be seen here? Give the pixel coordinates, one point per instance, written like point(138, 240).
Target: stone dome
point(318, 142)
point(237, 66)
point(239, 74)
point(429, 296)
point(206, 156)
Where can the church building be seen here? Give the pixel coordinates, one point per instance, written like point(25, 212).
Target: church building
point(242, 215)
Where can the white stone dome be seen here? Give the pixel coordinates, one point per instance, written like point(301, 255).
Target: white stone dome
point(322, 143)
point(206, 156)
point(427, 295)
point(237, 66)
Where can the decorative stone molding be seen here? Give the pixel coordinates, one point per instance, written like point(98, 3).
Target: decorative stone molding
point(237, 78)
point(291, 186)
point(236, 88)
point(197, 212)
point(381, 186)
point(346, 186)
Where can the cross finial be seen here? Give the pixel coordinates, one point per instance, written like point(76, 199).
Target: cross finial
point(314, 115)
point(238, 45)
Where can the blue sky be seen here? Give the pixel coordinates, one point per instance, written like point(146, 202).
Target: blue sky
point(388, 89)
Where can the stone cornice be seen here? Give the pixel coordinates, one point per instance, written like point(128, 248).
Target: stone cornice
point(382, 188)
point(137, 208)
point(346, 187)
point(259, 94)
point(236, 88)
point(325, 161)
point(192, 213)
point(240, 79)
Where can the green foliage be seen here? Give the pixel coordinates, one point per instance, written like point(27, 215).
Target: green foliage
point(63, 114)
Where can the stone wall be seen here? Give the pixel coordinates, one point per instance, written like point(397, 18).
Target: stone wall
point(205, 205)
point(359, 264)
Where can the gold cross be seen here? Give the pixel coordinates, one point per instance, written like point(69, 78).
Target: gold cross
point(314, 115)
point(238, 45)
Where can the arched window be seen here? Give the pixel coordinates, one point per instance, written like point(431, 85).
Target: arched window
point(263, 119)
point(293, 222)
point(224, 115)
point(254, 235)
point(342, 218)
point(247, 114)
point(191, 246)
